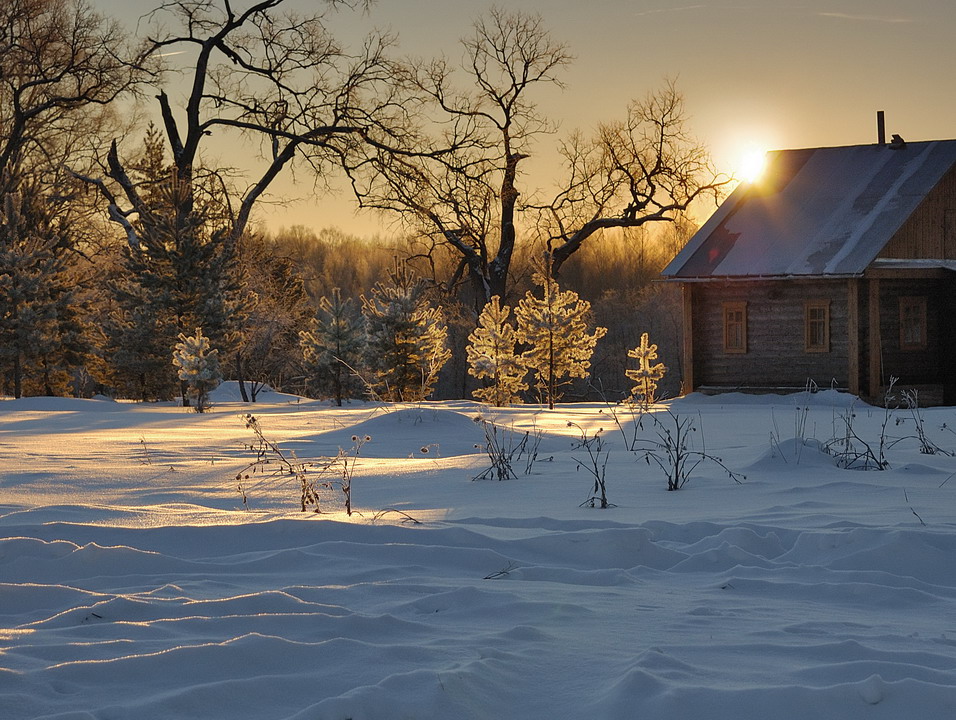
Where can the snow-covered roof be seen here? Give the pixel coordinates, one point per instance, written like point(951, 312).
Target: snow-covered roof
point(815, 212)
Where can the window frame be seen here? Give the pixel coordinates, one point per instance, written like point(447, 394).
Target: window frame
point(911, 302)
point(808, 307)
point(727, 309)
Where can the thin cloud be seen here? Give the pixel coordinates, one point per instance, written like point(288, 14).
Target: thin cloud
point(660, 11)
point(888, 20)
point(866, 18)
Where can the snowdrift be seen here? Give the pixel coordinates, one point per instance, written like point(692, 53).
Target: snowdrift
point(134, 582)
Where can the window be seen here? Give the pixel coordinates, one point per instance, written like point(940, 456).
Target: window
point(816, 326)
point(735, 327)
point(912, 323)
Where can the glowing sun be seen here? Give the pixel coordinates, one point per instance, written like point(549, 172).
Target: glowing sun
point(751, 166)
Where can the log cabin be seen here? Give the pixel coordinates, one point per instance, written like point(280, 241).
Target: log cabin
point(836, 268)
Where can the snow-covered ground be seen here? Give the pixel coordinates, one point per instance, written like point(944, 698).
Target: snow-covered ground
point(134, 583)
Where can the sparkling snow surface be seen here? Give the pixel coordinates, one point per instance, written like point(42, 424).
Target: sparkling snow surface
point(134, 584)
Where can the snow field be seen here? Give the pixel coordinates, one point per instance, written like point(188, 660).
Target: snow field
point(133, 583)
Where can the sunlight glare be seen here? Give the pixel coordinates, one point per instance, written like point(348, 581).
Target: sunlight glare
point(752, 165)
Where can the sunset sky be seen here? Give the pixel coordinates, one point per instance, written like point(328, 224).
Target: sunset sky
point(755, 75)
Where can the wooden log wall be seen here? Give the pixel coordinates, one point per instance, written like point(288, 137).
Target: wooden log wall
point(776, 354)
point(912, 366)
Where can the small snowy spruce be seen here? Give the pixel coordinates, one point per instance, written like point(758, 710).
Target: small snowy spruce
point(198, 367)
point(647, 375)
point(406, 345)
point(332, 346)
point(555, 326)
point(491, 354)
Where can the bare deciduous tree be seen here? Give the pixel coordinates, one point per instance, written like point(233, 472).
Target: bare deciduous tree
point(647, 168)
point(461, 187)
point(59, 61)
point(276, 77)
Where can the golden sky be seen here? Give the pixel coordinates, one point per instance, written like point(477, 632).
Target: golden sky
point(755, 75)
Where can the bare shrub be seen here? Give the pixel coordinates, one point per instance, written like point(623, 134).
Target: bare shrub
point(272, 463)
point(595, 464)
point(853, 452)
point(673, 451)
point(926, 445)
point(503, 447)
point(313, 478)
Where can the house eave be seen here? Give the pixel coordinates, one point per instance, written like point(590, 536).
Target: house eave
point(760, 278)
point(910, 268)
point(881, 268)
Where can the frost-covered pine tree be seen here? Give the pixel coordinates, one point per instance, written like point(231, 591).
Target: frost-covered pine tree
point(332, 346)
point(198, 367)
point(406, 338)
point(180, 273)
point(647, 374)
point(41, 337)
point(555, 326)
point(491, 355)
